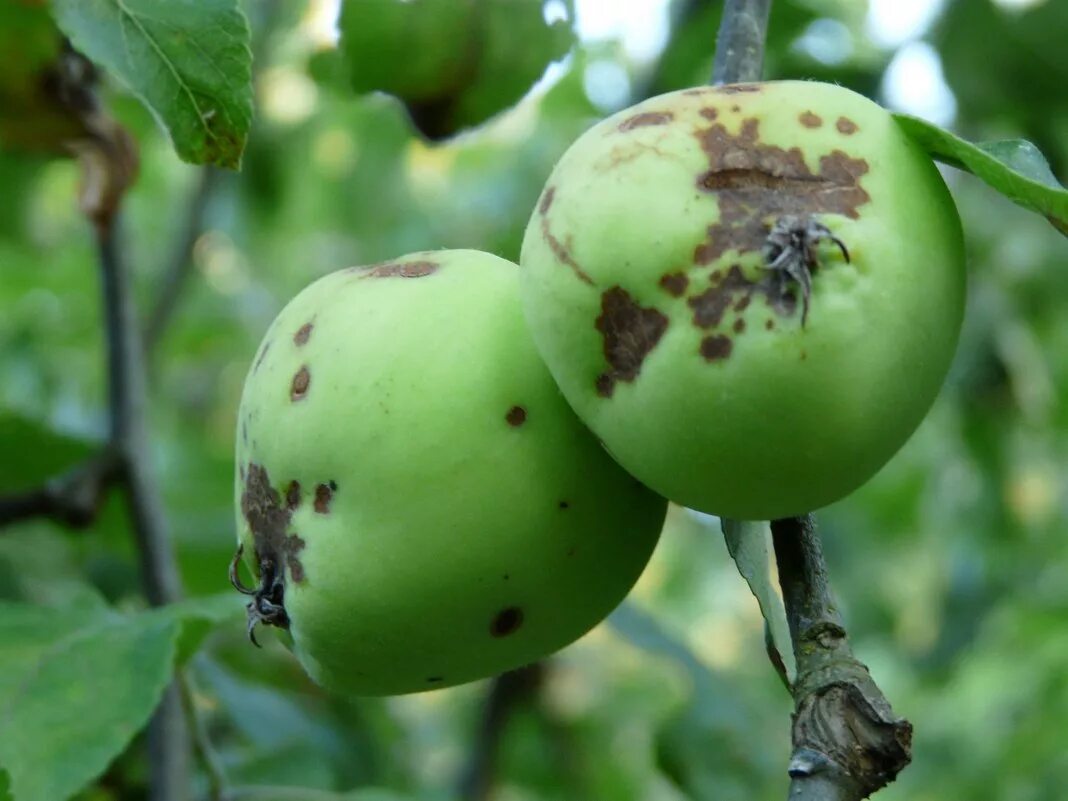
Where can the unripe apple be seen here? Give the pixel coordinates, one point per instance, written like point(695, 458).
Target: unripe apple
point(419, 503)
point(751, 293)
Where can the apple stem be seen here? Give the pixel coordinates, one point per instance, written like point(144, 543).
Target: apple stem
point(740, 43)
point(847, 741)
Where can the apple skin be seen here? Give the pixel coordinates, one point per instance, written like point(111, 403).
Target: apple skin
point(647, 293)
point(441, 513)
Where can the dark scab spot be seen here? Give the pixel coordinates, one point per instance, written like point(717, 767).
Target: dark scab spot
point(570, 551)
point(710, 306)
point(709, 113)
point(506, 576)
point(675, 284)
point(300, 384)
point(742, 303)
point(646, 118)
point(756, 183)
point(434, 679)
point(324, 493)
point(716, 347)
point(547, 200)
point(804, 355)
point(332, 484)
point(810, 120)
point(736, 108)
point(516, 416)
point(507, 621)
point(846, 126)
point(769, 324)
point(293, 495)
point(408, 269)
point(739, 325)
point(630, 332)
point(268, 518)
point(564, 505)
point(303, 333)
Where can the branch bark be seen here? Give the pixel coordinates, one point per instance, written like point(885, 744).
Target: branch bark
point(847, 741)
point(740, 43)
point(72, 498)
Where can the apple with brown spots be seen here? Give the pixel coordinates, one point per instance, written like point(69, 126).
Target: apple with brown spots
point(750, 293)
point(417, 502)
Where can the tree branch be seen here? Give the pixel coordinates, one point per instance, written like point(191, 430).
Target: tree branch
point(72, 498)
point(508, 691)
point(847, 742)
point(740, 43)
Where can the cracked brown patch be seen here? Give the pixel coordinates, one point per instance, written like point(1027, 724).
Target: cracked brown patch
point(547, 200)
point(268, 519)
point(755, 184)
point(563, 253)
point(646, 118)
point(846, 126)
point(506, 622)
point(302, 335)
point(408, 269)
point(716, 347)
point(516, 416)
point(810, 119)
point(675, 284)
point(301, 381)
point(324, 493)
point(630, 332)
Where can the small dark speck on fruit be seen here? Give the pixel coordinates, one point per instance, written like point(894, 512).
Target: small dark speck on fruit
point(507, 621)
point(303, 333)
point(300, 384)
point(709, 113)
point(846, 126)
point(323, 495)
point(332, 484)
point(736, 108)
point(769, 324)
point(564, 505)
point(293, 495)
point(675, 284)
point(716, 347)
point(739, 325)
point(506, 576)
point(434, 679)
point(570, 551)
point(516, 416)
point(804, 355)
point(810, 120)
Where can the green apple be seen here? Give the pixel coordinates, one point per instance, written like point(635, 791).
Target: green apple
point(420, 504)
point(751, 293)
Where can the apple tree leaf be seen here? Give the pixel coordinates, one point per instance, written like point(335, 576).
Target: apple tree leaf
point(188, 60)
point(1013, 167)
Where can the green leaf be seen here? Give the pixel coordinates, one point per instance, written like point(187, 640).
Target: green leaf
point(747, 542)
point(74, 692)
point(1014, 167)
point(76, 684)
point(189, 61)
point(5, 786)
point(199, 617)
point(305, 794)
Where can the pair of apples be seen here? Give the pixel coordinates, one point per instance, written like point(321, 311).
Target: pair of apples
point(740, 298)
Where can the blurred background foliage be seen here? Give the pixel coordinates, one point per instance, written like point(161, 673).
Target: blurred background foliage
point(951, 565)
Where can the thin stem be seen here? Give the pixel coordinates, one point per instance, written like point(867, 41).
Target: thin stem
point(72, 498)
point(507, 692)
point(205, 751)
point(740, 43)
point(167, 736)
